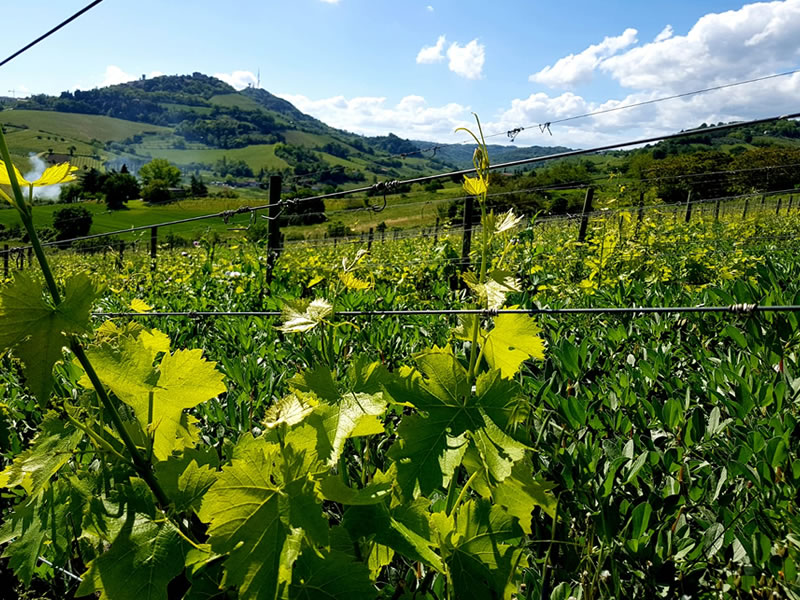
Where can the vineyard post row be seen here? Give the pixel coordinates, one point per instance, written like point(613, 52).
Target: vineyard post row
point(275, 238)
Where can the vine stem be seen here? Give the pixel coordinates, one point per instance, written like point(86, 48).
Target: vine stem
point(466, 487)
point(473, 358)
point(140, 464)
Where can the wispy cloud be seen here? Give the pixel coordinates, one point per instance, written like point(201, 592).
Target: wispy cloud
point(576, 69)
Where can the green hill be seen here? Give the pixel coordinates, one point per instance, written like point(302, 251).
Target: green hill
point(204, 126)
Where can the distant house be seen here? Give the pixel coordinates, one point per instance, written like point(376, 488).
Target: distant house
point(56, 159)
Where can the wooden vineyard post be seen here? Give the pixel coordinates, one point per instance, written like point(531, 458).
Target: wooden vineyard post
point(688, 207)
point(153, 247)
point(120, 258)
point(274, 234)
point(640, 215)
point(370, 238)
point(436, 232)
point(21, 259)
point(789, 205)
point(763, 200)
point(466, 241)
point(30, 256)
point(716, 210)
point(5, 261)
point(744, 210)
point(778, 207)
point(587, 208)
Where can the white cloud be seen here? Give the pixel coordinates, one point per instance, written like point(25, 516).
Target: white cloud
point(238, 79)
point(429, 8)
point(665, 34)
point(432, 54)
point(411, 117)
point(755, 40)
point(467, 61)
point(115, 75)
point(576, 69)
point(331, 1)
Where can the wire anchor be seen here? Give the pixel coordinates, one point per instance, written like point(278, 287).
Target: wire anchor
point(385, 187)
point(513, 133)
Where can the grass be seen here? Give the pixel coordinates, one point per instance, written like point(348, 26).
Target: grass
point(240, 100)
point(78, 127)
point(257, 156)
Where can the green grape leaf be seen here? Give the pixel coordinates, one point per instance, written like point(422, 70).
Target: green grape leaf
point(366, 376)
point(354, 415)
point(50, 451)
point(253, 509)
point(450, 418)
point(192, 485)
point(404, 529)
point(158, 397)
point(302, 315)
point(513, 340)
point(37, 332)
point(292, 409)
point(332, 576)
point(521, 493)
point(333, 488)
point(26, 533)
point(184, 476)
point(143, 558)
point(481, 565)
point(317, 380)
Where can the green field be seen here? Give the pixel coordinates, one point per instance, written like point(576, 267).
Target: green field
point(656, 451)
point(78, 127)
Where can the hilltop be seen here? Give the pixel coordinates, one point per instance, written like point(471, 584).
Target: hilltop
point(203, 125)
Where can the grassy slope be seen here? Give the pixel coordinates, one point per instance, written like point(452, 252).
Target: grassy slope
point(78, 127)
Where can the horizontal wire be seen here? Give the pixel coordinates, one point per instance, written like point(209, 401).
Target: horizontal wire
point(51, 32)
point(655, 101)
point(733, 308)
point(387, 186)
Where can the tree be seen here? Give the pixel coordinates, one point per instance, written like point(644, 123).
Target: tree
point(157, 177)
point(71, 221)
point(161, 171)
point(92, 181)
point(198, 187)
point(119, 188)
point(70, 193)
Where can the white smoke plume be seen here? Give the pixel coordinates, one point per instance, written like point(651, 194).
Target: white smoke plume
point(38, 166)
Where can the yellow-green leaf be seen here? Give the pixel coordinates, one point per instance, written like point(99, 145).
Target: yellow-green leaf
point(36, 332)
point(475, 186)
point(514, 339)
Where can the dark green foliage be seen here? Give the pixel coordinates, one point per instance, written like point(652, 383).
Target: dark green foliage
point(160, 171)
point(307, 212)
point(119, 188)
point(338, 229)
point(197, 187)
point(72, 221)
point(156, 193)
point(235, 168)
point(70, 193)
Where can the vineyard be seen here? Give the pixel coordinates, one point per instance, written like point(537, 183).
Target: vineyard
point(393, 422)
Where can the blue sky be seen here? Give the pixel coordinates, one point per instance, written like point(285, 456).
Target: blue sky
point(418, 68)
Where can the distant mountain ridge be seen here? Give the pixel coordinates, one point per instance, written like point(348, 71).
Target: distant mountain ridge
point(203, 124)
point(460, 155)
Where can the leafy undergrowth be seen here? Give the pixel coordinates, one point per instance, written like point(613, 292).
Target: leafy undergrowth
point(312, 456)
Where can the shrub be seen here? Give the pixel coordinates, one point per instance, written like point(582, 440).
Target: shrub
point(70, 222)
